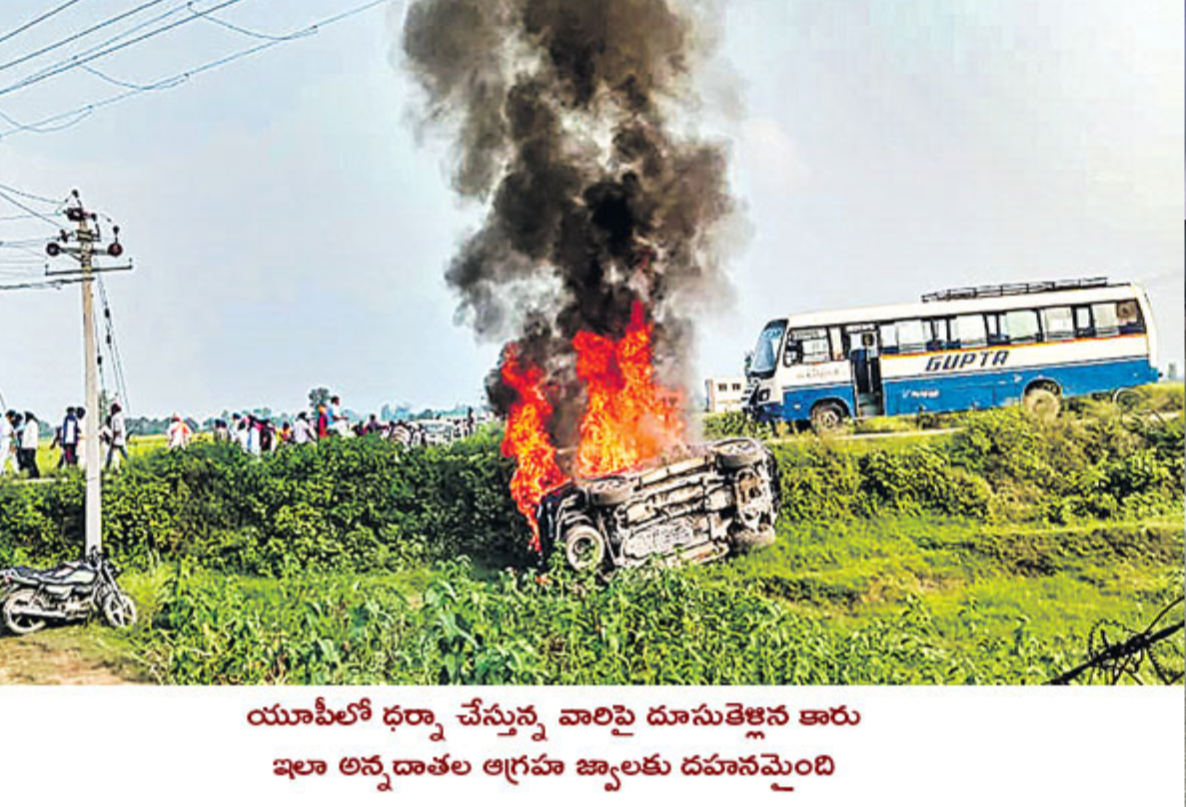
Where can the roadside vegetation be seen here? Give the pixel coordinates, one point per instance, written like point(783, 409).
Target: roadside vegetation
point(986, 554)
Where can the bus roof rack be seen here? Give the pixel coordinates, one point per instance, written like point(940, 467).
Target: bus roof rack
point(1008, 289)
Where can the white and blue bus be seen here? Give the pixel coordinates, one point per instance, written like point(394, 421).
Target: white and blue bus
point(970, 348)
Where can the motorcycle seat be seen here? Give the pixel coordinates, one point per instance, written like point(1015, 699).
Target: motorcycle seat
point(66, 574)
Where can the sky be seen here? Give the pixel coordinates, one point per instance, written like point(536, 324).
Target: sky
point(290, 222)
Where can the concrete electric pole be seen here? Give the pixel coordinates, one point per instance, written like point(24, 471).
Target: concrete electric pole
point(86, 236)
point(90, 432)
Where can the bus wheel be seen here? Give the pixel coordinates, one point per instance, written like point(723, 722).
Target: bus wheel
point(1129, 399)
point(1041, 400)
point(826, 417)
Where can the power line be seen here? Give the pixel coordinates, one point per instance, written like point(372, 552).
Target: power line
point(14, 201)
point(36, 284)
point(112, 346)
point(77, 62)
point(18, 217)
point(39, 19)
point(70, 118)
point(33, 196)
point(209, 17)
point(98, 27)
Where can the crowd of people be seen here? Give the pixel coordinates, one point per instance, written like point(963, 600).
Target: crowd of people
point(20, 434)
point(260, 435)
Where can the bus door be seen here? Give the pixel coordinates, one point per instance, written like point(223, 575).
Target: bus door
point(864, 354)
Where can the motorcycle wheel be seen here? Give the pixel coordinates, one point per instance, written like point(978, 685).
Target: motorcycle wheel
point(17, 622)
point(119, 610)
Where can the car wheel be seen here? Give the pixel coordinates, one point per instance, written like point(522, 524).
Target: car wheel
point(1042, 402)
point(610, 490)
point(738, 453)
point(827, 417)
point(749, 540)
point(15, 620)
point(584, 547)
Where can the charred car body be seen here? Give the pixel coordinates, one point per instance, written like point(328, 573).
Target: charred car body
point(723, 498)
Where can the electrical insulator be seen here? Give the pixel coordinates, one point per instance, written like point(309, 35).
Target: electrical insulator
point(52, 249)
point(115, 250)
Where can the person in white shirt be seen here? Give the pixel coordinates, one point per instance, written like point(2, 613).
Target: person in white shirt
point(8, 443)
point(302, 431)
point(179, 433)
point(30, 438)
point(119, 435)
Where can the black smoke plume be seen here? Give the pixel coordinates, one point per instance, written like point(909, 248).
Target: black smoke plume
point(562, 114)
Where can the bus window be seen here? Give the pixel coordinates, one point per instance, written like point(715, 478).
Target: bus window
point(968, 331)
point(1021, 326)
point(1128, 317)
point(889, 338)
point(807, 346)
point(997, 334)
point(940, 334)
point(838, 353)
point(1083, 326)
point(765, 356)
point(912, 336)
point(1058, 324)
point(1104, 315)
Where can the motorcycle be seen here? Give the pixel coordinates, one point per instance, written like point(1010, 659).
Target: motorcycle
point(72, 592)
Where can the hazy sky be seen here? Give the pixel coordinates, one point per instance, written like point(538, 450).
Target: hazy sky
point(289, 230)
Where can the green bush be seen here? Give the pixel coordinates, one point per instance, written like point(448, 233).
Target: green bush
point(342, 505)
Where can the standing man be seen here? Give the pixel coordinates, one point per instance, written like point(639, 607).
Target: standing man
point(119, 435)
point(30, 437)
point(323, 424)
point(69, 438)
point(302, 432)
point(338, 421)
point(179, 433)
point(8, 443)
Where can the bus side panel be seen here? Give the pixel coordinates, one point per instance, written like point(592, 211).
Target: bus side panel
point(987, 389)
point(913, 395)
point(1084, 379)
point(797, 402)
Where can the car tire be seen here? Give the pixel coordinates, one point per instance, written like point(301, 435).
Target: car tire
point(749, 540)
point(827, 417)
point(736, 453)
point(610, 490)
point(584, 547)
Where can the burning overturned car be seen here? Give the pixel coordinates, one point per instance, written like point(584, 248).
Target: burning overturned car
point(723, 498)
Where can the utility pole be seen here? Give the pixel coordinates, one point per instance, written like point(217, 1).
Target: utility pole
point(86, 235)
point(90, 432)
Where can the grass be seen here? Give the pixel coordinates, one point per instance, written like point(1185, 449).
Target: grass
point(898, 599)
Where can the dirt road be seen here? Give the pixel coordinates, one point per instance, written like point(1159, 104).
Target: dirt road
point(44, 660)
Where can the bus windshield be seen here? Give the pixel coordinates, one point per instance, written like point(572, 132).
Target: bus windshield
point(766, 351)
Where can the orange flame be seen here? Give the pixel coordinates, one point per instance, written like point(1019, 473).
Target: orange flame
point(629, 418)
point(527, 440)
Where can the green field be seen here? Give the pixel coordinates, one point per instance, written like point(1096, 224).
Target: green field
point(997, 553)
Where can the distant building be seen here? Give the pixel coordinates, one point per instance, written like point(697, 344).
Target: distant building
point(1173, 372)
point(725, 394)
